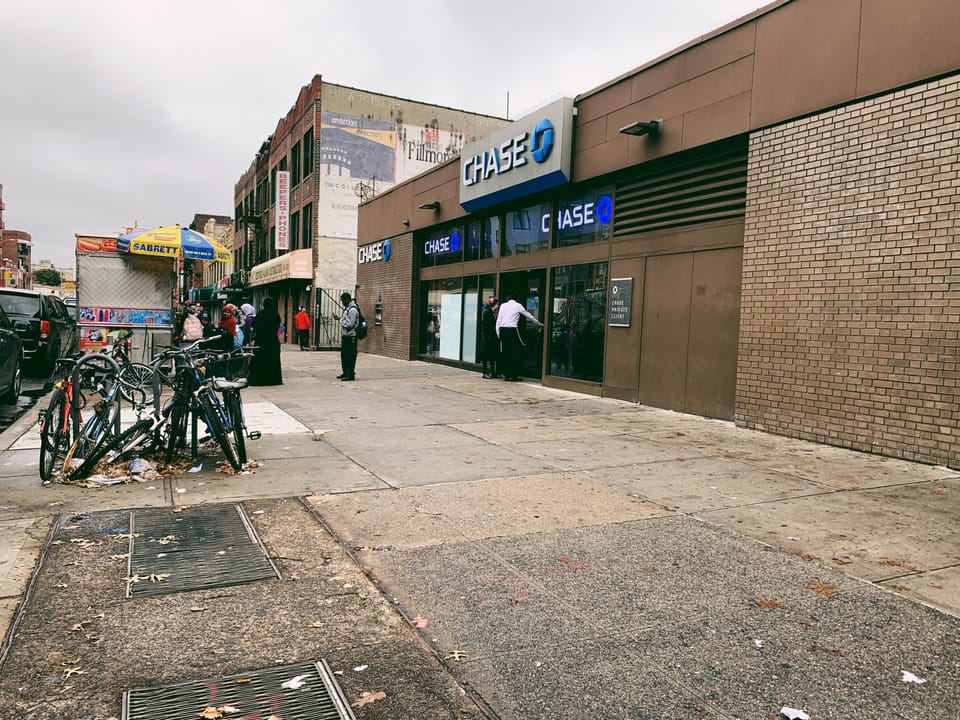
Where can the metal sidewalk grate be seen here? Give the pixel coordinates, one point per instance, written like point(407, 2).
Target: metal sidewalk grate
point(193, 549)
point(306, 691)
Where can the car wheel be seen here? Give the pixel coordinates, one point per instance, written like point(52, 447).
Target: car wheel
point(13, 394)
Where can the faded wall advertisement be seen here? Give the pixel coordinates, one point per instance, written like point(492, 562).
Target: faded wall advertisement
point(362, 157)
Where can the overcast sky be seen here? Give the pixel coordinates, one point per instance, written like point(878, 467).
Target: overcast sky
point(116, 111)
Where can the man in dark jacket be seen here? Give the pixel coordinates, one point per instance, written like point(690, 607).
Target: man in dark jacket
point(348, 336)
point(489, 342)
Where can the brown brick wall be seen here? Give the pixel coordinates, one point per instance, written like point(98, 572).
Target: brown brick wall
point(393, 282)
point(850, 320)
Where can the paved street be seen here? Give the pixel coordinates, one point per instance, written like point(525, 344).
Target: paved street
point(464, 548)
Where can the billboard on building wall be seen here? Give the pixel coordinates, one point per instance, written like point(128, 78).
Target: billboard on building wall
point(420, 148)
point(362, 157)
point(282, 217)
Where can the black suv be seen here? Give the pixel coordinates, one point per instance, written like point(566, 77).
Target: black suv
point(43, 324)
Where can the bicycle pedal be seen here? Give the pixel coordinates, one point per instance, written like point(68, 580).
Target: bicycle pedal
point(253, 435)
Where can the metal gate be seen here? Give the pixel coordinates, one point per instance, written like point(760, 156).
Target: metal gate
point(326, 330)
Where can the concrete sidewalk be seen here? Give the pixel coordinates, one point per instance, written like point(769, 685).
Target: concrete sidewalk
point(567, 556)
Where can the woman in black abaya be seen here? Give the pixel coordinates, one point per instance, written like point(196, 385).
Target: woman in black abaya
point(265, 367)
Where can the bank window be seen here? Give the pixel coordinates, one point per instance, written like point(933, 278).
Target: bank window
point(490, 242)
point(527, 230)
point(584, 218)
point(307, 235)
point(442, 247)
point(578, 321)
point(441, 318)
point(307, 153)
point(471, 248)
point(295, 165)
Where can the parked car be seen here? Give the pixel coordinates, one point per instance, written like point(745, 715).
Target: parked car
point(71, 305)
point(11, 361)
point(43, 324)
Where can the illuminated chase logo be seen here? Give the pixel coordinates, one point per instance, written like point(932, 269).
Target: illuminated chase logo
point(442, 245)
point(528, 155)
point(581, 215)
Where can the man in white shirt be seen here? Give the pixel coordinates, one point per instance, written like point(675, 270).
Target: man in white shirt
point(509, 334)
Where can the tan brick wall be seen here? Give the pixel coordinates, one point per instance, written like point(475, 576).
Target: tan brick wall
point(850, 319)
point(391, 281)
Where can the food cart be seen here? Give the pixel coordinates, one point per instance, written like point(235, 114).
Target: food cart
point(118, 290)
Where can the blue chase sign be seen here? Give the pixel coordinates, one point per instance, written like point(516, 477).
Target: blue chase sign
point(528, 155)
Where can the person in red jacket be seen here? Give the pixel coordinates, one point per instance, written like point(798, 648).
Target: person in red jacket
point(302, 322)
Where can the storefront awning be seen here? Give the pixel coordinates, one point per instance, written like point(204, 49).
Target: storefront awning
point(295, 265)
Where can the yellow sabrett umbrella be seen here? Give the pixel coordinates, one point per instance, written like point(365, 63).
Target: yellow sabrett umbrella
point(174, 241)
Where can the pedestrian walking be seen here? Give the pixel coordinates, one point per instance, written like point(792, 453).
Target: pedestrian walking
point(302, 322)
point(249, 313)
point(489, 342)
point(508, 320)
point(349, 320)
point(265, 366)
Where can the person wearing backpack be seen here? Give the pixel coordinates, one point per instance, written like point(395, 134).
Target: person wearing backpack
point(192, 328)
point(349, 322)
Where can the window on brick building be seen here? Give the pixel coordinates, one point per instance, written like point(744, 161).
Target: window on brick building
point(295, 165)
point(307, 153)
point(273, 184)
point(295, 231)
point(306, 236)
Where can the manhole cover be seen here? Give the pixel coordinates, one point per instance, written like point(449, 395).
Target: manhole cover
point(193, 549)
point(307, 691)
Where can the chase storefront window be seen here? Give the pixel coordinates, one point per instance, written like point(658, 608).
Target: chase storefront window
point(578, 321)
point(586, 217)
point(442, 247)
point(527, 229)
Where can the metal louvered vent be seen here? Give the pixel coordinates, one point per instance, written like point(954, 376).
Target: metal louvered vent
point(307, 691)
point(697, 188)
point(177, 550)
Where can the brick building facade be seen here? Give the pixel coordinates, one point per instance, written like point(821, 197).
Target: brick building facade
point(780, 209)
point(850, 320)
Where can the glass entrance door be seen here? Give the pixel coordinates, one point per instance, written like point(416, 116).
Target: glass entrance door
point(528, 287)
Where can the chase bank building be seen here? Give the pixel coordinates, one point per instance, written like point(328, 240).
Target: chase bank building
point(760, 226)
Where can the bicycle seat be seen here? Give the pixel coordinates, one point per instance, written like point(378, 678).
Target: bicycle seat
point(222, 384)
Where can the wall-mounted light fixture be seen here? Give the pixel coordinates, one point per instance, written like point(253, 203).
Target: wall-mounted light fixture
point(641, 127)
point(406, 223)
point(435, 206)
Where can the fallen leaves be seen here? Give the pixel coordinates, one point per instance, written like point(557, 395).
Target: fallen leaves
point(369, 697)
point(820, 587)
point(769, 604)
point(828, 650)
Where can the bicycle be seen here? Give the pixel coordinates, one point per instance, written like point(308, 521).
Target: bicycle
point(194, 397)
point(136, 375)
point(60, 424)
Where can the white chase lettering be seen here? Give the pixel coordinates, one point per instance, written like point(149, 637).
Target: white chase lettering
point(497, 160)
point(436, 246)
point(370, 253)
point(571, 217)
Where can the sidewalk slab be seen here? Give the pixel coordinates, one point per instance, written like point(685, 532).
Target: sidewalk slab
point(413, 517)
point(872, 534)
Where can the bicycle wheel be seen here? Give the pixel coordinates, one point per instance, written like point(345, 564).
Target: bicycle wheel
point(179, 417)
point(218, 430)
point(234, 407)
point(54, 435)
point(139, 438)
point(98, 432)
point(139, 376)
